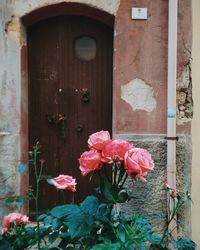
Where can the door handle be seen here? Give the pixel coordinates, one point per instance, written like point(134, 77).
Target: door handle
point(56, 119)
point(85, 95)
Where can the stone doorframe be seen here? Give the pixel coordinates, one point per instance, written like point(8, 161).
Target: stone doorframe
point(100, 14)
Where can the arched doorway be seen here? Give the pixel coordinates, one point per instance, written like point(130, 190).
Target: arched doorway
point(70, 95)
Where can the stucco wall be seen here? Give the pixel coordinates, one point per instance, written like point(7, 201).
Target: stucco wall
point(140, 67)
point(139, 91)
point(196, 123)
point(10, 94)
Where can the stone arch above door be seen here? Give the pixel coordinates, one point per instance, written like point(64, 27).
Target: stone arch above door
point(27, 12)
point(68, 8)
point(23, 7)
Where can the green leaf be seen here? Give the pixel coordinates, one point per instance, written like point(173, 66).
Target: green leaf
point(4, 245)
point(41, 217)
point(184, 243)
point(53, 236)
point(109, 192)
point(65, 210)
point(80, 226)
point(103, 212)
point(106, 246)
point(90, 205)
point(9, 201)
point(30, 231)
point(48, 220)
point(63, 244)
point(56, 224)
point(121, 235)
point(154, 239)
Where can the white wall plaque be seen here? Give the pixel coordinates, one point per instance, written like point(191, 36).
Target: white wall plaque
point(139, 13)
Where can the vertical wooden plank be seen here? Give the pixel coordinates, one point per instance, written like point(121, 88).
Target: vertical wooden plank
point(56, 80)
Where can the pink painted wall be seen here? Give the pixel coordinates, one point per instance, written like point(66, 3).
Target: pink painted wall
point(140, 51)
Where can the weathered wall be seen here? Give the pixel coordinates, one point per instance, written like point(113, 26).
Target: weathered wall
point(140, 85)
point(141, 68)
point(140, 99)
point(9, 110)
point(196, 123)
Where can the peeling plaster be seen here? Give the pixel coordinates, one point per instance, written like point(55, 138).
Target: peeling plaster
point(184, 96)
point(14, 30)
point(23, 7)
point(139, 95)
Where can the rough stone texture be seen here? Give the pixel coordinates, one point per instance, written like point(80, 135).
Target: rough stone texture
point(139, 95)
point(9, 177)
point(15, 31)
point(150, 198)
point(184, 96)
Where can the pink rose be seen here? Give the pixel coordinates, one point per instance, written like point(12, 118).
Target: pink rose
point(138, 162)
point(64, 182)
point(9, 219)
point(115, 150)
point(90, 161)
point(4, 230)
point(98, 140)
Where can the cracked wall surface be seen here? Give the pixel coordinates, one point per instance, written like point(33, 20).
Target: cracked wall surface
point(14, 29)
point(139, 95)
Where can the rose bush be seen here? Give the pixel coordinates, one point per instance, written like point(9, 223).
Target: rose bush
point(64, 182)
point(94, 224)
point(13, 218)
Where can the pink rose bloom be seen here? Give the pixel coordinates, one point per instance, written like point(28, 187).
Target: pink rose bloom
point(9, 219)
point(90, 161)
point(98, 140)
point(25, 219)
point(115, 150)
point(64, 182)
point(4, 230)
point(138, 162)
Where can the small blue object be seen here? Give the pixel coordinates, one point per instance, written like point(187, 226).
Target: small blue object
point(20, 202)
point(22, 168)
point(49, 181)
point(171, 112)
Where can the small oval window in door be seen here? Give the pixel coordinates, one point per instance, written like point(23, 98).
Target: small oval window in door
point(85, 48)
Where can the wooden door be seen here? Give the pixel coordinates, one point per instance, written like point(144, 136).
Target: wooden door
point(70, 96)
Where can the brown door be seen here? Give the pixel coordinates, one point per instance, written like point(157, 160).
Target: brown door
point(70, 96)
